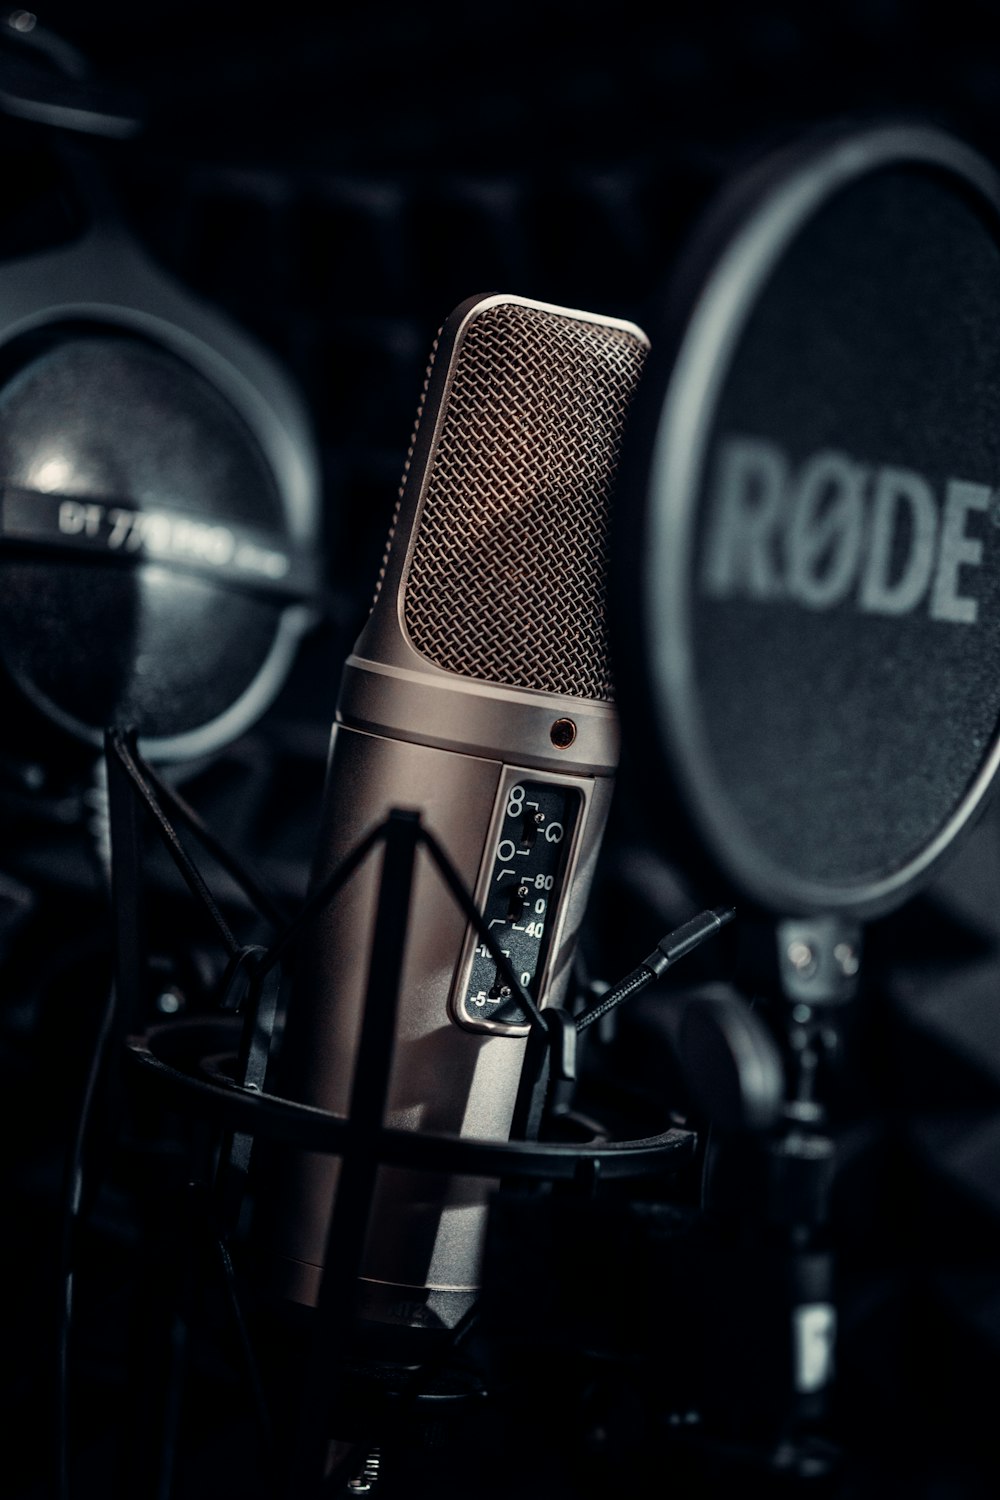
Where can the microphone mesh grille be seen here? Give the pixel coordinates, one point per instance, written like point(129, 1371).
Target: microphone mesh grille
point(508, 574)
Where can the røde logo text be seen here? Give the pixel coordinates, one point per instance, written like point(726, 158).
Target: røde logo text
point(833, 527)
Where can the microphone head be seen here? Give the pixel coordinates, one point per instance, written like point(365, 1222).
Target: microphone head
point(497, 555)
point(806, 596)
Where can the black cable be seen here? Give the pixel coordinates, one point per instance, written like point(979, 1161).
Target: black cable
point(666, 953)
point(72, 1198)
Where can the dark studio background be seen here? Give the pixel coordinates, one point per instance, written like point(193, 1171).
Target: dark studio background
point(337, 179)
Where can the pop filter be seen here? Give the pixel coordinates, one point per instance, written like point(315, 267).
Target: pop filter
point(805, 603)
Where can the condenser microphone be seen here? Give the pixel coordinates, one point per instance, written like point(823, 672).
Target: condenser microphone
point(479, 693)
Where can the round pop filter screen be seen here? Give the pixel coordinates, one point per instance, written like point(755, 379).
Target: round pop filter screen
point(814, 523)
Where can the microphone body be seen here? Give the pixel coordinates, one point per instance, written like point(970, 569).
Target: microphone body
point(479, 693)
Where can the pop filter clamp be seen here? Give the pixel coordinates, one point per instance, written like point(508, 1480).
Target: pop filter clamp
point(806, 622)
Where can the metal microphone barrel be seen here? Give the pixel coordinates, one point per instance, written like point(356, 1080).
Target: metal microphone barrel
point(480, 695)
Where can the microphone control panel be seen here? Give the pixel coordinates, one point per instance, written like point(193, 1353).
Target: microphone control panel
point(527, 878)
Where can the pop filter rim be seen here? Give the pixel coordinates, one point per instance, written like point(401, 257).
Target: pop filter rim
point(727, 264)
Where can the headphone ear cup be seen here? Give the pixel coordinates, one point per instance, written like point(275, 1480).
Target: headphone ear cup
point(159, 507)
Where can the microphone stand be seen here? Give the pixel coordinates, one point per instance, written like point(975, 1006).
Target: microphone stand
point(818, 966)
point(777, 1205)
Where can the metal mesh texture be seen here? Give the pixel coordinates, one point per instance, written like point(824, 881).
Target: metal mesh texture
point(508, 576)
